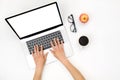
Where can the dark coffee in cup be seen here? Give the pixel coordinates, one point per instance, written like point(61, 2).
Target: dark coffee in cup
point(83, 40)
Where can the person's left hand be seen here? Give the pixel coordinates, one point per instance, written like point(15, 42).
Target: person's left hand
point(39, 56)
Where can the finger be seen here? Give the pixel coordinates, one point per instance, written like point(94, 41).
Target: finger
point(52, 44)
point(35, 49)
point(41, 49)
point(55, 42)
point(62, 44)
point(58, 42)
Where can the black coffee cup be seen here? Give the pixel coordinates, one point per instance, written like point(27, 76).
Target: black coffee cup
point(83, 40)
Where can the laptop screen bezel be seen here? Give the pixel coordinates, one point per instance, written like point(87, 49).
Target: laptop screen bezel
point(6, 19)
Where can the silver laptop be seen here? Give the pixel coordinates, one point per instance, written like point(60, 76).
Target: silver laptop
point(40, 26)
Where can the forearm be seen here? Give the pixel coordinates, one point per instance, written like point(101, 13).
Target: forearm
point(38, 74)
point(74, 72)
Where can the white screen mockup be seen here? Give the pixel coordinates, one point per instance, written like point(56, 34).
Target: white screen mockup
point(36, 20)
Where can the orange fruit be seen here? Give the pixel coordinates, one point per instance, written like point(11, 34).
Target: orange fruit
point(84, 18)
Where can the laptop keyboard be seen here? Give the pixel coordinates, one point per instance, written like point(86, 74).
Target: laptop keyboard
point(44, 40)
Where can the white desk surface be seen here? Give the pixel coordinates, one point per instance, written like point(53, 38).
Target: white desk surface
point(100, 60)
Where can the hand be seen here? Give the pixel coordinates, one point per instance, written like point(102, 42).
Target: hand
point(58, 49)
point(39, 56)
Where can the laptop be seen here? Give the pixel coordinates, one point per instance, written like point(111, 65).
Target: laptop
point(40, 26)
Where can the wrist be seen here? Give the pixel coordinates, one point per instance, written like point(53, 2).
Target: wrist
point(39, 68)
point(63, 61)
point(38, 71)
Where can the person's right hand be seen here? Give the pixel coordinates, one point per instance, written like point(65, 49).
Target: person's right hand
point(58, 49)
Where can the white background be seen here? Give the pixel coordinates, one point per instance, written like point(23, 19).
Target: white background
point(100, 60)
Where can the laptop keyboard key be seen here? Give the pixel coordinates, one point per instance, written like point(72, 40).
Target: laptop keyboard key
point(44, 40)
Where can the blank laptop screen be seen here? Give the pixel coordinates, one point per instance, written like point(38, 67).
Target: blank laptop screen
point(34, 21)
